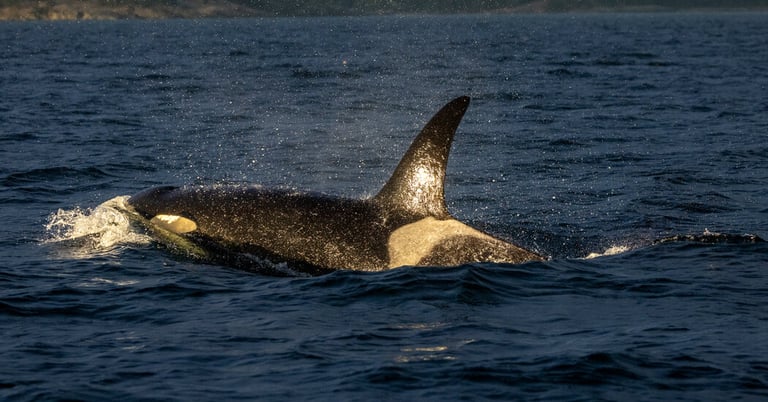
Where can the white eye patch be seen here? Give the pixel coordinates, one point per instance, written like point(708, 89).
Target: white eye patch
point(174, 223)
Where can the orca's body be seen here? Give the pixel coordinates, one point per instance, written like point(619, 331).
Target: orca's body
point(406, 223)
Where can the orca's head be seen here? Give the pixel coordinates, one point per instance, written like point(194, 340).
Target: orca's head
point(153, 201)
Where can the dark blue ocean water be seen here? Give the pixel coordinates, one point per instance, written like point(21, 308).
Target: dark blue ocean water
point(587, 134)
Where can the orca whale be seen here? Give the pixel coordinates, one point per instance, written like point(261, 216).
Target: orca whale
point(406, 224)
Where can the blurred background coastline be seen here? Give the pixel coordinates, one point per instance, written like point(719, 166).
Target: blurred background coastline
point(163, 9)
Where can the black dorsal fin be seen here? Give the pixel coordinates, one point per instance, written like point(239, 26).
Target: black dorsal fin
point(416, 186)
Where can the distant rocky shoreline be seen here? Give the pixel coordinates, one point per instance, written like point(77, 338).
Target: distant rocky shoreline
point(51, 10)
point(80, 10)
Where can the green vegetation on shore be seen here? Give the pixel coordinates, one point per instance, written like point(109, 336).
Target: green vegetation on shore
point(146, 9)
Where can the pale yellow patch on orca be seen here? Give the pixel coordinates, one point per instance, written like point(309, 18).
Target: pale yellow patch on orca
point(410, 243)
point(174, 223)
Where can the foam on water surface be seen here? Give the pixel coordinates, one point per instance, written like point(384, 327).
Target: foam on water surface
point(95, 230)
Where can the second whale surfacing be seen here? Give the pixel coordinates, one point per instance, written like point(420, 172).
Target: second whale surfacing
point(406, 224)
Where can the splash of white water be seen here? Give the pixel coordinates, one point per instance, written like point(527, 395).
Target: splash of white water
point(94, 230)
point(613, 250)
